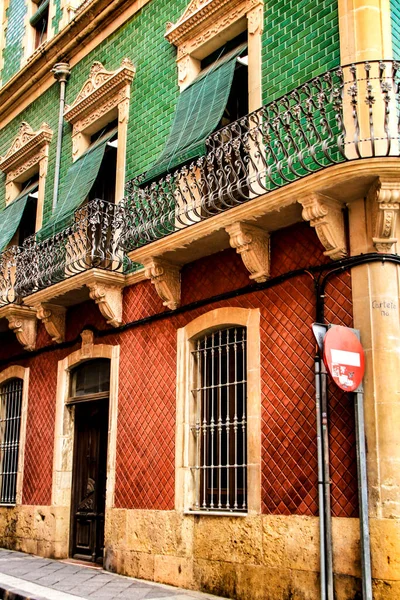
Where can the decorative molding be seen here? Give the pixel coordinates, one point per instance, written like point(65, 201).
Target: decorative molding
point(204, 19)
point(100, 93)
point(252, 243)
point(255, 19)
point(166, 278)
point(108, 297)
point(325, 214)
point(87, 337)
point(53, 318)
point(28, 148)
point(384, 202)
point(105, 288)
point(22, 321)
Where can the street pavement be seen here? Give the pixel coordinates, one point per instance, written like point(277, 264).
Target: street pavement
point(27, 577)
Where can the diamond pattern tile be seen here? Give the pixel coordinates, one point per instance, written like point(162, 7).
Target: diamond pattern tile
point(294, 248)
point(141, 301)
point(147, 386)
point(40, 429)
point(213, 275)
point(146, 418)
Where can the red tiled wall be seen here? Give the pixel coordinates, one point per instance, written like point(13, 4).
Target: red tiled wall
point(147, 383)
point(40, 430)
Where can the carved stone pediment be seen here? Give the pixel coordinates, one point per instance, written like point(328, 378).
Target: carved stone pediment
point(205, 19)
point(325, 214)
point(166, 278)
point(22, 321)
point(384, 204)
point(252, 243)
point(27, 146)
point(103, 88)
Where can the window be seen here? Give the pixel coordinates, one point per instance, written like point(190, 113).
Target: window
point(104, 185)
point(218, 421)
point(90, 380)
point(218, 414)
point(40, 22)
point(10, 426)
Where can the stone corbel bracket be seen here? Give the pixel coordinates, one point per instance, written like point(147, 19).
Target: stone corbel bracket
point(106, 290)
point(384, 202)
point(325, 214)
point(252, 243)
point(22, 321)
point(53, 318)
point(166, 278)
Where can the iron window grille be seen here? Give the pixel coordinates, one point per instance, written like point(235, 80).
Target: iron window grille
point(10, 427)
point(219, 421)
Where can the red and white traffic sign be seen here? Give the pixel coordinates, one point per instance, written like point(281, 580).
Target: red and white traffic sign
point(344, 357)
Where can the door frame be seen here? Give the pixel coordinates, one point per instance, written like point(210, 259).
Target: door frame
point(72, 539)
point(64, 439)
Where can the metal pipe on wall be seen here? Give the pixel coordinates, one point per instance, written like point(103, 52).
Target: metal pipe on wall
point(61, 73)
point(321, 503)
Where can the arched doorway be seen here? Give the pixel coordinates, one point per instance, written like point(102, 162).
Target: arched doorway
point(89, 397)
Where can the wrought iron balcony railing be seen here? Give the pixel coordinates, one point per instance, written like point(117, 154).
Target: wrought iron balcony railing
point(344, 114)
point(8, 269)
point(91, 241)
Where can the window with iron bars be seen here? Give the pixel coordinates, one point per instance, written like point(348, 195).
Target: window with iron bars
point(10, 426)
point(219, 421)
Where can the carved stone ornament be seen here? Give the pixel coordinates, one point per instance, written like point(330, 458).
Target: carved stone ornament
point(87, 337)
point(252, 243)
point(102, 89)
point(53, 318)
point(166, 278)
point(325, 214)
point(108, 297)
point(22, 321)
point(27, 149)
point(384, 202)
point(205, 19)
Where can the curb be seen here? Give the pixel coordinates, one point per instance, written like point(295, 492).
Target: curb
point(12, 593)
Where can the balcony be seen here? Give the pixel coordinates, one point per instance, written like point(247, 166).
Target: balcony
point(347, 114)
point(303, 155)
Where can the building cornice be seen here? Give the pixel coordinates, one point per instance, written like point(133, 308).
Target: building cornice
point(85, 27)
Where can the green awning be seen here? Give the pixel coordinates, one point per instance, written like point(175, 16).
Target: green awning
point(75, 187)
point(199, 110)
point(10, 217)
point(34, 20)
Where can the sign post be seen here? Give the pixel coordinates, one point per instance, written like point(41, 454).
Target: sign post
point(344, 359)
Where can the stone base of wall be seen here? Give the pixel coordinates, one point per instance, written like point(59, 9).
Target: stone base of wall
point(42, 530)
point(247, 558)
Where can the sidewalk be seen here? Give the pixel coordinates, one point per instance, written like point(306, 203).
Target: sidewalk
point(27, 577)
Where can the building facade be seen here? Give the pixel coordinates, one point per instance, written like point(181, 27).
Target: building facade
point(185, 188)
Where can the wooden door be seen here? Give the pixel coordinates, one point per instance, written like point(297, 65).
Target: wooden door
point(89, 480)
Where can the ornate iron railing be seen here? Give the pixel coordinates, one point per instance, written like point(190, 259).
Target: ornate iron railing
point(347, 113)
point(91, 241)
point(8, 272)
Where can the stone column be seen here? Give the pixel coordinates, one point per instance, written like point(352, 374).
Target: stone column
point(375, 289)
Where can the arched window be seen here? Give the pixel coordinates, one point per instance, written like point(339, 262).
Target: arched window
point(219, 420)
point(10, 427)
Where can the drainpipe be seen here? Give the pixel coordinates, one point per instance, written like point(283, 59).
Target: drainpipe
point(61, 73)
